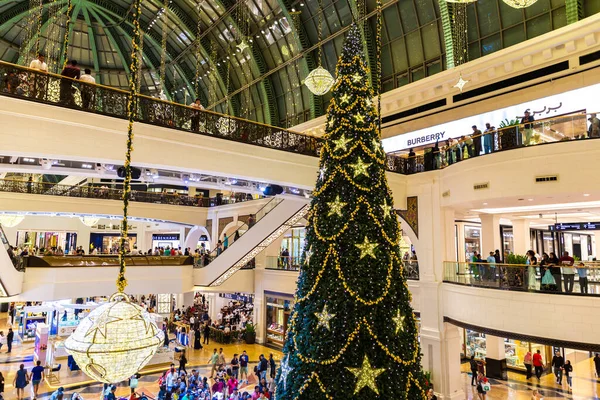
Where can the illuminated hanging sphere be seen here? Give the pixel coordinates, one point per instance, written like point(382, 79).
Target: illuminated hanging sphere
point(519, 3)
point(461, 1)
point(115, 340)
point(319, 81)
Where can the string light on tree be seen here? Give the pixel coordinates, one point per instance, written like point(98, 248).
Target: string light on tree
point(324, 317)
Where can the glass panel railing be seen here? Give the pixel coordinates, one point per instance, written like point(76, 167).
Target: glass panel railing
point(204, 260)
point(103, 192)
point(285, 263)
point(579, 279)
point(15, 258)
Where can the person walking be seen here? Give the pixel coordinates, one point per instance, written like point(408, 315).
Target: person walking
point(272, 366)
point(528, 362)
point(182, 362)
point(235, 366)
point(263, 365)
point(206, 333)
point(244, 367)
point(221, 359)
point(483, 386)
point(538, 364)
point(71, 71)
point(558, 363)
point(526, 121)
point(568, 272)
point(37, 375)
point(21, 380)
point(87, 88)
point(473, 365)
point(9, 340)
point(583, 279)
point(568, 370)
point(214, 359)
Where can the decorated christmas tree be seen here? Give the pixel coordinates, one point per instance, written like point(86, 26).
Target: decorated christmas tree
point(352, 333)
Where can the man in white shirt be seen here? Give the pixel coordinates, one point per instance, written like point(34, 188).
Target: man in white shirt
point(38, 82)
point(87, 91)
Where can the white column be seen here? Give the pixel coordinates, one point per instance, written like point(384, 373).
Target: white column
point(260, 318)
point(596, 246)
point(188, 299)
point(490, 234)
point(495, 357)
point(521, 236)
point(83, 237)
point(460, 227)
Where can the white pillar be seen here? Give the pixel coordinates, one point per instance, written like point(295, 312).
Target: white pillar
point(596, 246)
point(521, 236)
point(490, 234)
point(495, 357)
point(188, 299)
point(260, 318)
point(460, 227)
point(83, 237)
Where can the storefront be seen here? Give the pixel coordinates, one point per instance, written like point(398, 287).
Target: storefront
point(30, 317)
point(47, 240)
point(278, 309)
point(508, 243)
point(164, 240)
point(472, 241)
point(293, 241)
point(474, 344)
point(109, 242)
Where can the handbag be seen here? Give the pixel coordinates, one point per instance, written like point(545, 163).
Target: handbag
point(548, 279)
point(486, 386)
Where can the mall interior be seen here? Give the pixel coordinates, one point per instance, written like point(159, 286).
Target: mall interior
point(487, 117)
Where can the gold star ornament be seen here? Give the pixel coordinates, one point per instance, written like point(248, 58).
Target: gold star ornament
point(242, 46)
point(367, 248)
point(460, 84)
point(341, 143)
point(366, 376)
point(344, 98)
point(399, 321)
point(360, 168)
point(359, 118)
point(324, 317)
point(356, 78)
point(386, 209)
point(335, 207)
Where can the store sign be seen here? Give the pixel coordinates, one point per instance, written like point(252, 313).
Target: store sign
point(425, 139)
point(575, 226)
point(166, 237)
point(237, 297)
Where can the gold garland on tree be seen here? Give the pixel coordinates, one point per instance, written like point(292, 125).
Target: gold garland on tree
point(65, 55)
point(131, 114)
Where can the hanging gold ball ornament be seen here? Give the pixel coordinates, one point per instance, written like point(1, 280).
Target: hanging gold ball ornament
point(115, 340)
point(461, 1)
point(520, 3)
point(319, 81)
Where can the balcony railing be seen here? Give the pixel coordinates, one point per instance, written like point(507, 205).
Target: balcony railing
point(411, 269)
point(284, 263)
point(583, 280)
point(103, 261)
point(99, 192)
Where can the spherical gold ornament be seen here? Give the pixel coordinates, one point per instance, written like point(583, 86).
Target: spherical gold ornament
point(520, 3)
point(115, 340)
point(319, 81)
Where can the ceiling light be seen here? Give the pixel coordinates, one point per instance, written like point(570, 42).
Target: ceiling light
point(529, 199)
point(485, 204)
point(586, 194)
point(28, 159)
point(88, 166)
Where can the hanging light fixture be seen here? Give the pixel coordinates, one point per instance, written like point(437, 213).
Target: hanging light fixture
point(461, 1)
point(319, 81)
point(520, 3)
point(118, 338)
point(89, 220)
point(11, 220)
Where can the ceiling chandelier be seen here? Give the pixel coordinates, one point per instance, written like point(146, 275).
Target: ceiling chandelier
point(11, 220)
point(319, 81)
point(89, 220)
point(520, 3)
point(115, 340)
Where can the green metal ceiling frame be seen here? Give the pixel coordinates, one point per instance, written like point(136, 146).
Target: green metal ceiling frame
point(93, 45)
point(447, 29)
point(74, 15)
point(45, 23)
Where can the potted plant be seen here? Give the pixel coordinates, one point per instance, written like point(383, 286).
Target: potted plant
point(510, 137)
point(250, 334)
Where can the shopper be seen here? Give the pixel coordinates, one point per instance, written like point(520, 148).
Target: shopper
point(597, 364)
point(221, 359)
point(554, 265)
point(491, 260)
point(225, 242)
point(71, 71)
point(483, 386)
point(568, 272)
point(594, 129)
point(473, 365)
point(235, 366)
point(528, 362)
point(37, 375)
point(531, 276)
point(272, 366)
point(488, 139)
point(21, 380)
point(431, 395)
point(527, 127)
point(196, 105)
point(38, 86)
point(182, 362)
point(568, 370)
point(583, 279)
point(244, 367)
point(206, 333)
point(538, 364)
point(476, 135)
point(558, 363)
point(9, 340)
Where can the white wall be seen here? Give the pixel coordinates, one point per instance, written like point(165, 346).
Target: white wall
point(570, 318)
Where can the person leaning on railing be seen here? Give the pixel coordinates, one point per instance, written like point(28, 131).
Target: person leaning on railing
point(38, 81)
point(196, 105)
point(66, 85)
point(87, 90)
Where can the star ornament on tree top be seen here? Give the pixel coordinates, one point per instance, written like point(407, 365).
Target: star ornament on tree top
point(366, 376)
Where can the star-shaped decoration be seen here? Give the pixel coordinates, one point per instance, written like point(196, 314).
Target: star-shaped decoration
point(366, 376)
point(359, 118)
point(360, 168)
point(285, 371)
point(461, 83)
point(369, 103)
point(307, 255)
point(100, 322)
point(356, 78)
point(341, 143)
point(399, 321)
point(324, 317)
point(335, 207)
point(242, 46)
point(322, 172)
point(367, 248)
point(344, 98)
point(386, 209)
point(330, 123)
point(147, 325)
point(376, 144)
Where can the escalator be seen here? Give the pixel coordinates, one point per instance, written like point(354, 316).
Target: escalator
point(269, 223)
point(11, 269)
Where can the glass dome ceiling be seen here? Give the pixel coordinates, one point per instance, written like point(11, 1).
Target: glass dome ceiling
point(264, 81)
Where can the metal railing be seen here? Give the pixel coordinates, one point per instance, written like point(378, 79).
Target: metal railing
point(102, 192)
point(103, 260)
point(286, 263)
point(203, 260)
point(547, 278)
point(561, 128)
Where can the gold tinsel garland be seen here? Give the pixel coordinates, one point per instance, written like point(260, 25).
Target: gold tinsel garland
point(65, 55)
point(131, 114)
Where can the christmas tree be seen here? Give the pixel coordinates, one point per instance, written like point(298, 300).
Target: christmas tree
point(352, 333)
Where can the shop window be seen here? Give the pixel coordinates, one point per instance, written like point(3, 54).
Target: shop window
point(277, 316)
point(472, 241)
